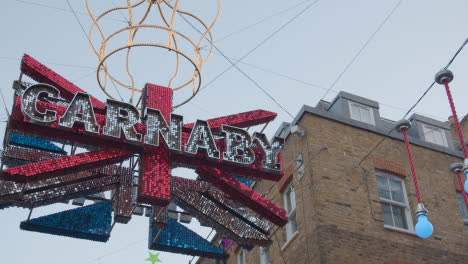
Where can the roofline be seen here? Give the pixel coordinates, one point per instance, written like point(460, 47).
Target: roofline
point(347, 121)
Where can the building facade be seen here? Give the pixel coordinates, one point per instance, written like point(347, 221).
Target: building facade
point(347, 204)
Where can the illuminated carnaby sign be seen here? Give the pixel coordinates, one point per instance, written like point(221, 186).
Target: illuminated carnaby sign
point(120, 122)
point(156, 140)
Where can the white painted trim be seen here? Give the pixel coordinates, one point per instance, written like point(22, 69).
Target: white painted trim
point(409, 219)
point(286, 244)
point(371, 112)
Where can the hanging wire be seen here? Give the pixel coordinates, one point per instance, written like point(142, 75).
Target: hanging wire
point(58, 8)
point(4, 103)
point(456, 54)
point(234, 64)
point(258, 45)
point(84, 76)
point(307, 83)
point(362, 49)
point(260, 21)
point(412, 107)
point(51, 63)
point(86, 35)
point(119, 250)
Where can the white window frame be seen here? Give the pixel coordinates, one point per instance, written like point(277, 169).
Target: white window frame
point(461, 203)
point(405, 205)
point(221, 246)
point(352, 104)
point(291, 211)
point(430, 128)
point(265, 255)
point(241, 256)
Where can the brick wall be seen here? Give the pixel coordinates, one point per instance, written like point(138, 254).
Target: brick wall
point(339, 215)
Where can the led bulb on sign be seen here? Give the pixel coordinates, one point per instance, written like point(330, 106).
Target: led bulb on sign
point(201, 138)
point(238, 146)
point(121, 116)
point(156, 125)
point(238, 143)
point(80, 110)
point(271, 151)
point(29, 103)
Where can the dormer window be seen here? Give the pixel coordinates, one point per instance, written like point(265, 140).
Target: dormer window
point(361, 113)
point(434, 135)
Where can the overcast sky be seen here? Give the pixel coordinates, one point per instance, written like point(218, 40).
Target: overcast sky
point(296, 66)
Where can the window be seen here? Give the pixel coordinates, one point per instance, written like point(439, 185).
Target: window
point(222, 246)
point(265, 255)
point(299, 160)
point(435, 135)
point(394, 202)
point(241, 257)
point(290, 206)
point(361, 113)
point(461, 202)
point(300, 166)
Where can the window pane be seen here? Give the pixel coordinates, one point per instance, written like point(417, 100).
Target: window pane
point(264, 255)
point(437, 135)
point(439, 138)
point(355, 114)
point(293, 224)
point(387, 213)
point(399, 217)
point(290, 199)
point(434, 135)
point(241, 257)
point(361, 113)
point(428, 133)
point(430, 137)
point(392, 188)
point(287, 198)
point(382, 184)
point(396, 190)
point(365, 115)
point(287, 201)
point(293, 198)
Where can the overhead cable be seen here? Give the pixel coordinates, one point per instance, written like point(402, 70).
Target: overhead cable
point(86, 35)
point(259, 21)
point(361, 49)
point(234, 64)
point(413, 106)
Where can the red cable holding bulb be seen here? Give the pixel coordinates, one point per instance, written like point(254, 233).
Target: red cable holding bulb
point(460, 137)
point(413, 170)
point(455, 119)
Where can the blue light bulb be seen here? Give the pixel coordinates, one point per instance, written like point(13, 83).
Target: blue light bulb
point(423, 227)
point(466, 182)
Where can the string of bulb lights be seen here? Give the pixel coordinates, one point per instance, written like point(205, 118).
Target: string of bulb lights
point(424, 227)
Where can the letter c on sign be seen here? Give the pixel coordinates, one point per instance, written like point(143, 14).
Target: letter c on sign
point(29, 103)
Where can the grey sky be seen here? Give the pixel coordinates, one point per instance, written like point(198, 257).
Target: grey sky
point(394, 69)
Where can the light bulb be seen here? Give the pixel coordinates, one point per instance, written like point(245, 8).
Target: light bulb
point(466, 182)
point(423, 227)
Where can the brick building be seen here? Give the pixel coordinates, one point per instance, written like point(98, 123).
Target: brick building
point(342, 212)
